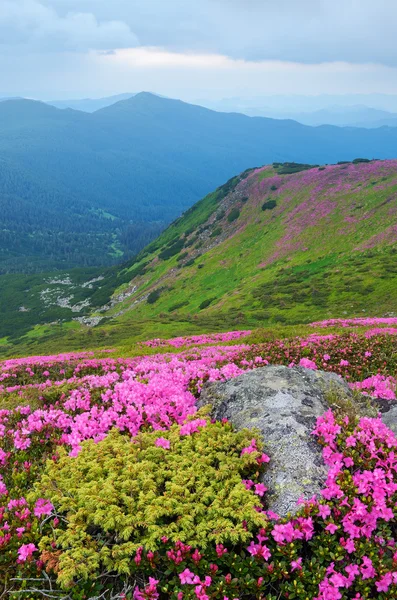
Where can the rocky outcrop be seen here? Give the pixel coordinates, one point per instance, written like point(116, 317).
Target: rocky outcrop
point(283, 404)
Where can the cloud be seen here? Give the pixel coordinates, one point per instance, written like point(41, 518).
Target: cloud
point(36, 26)
point(307, 31)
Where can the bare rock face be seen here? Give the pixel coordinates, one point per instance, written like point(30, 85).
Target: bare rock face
point(283, 404)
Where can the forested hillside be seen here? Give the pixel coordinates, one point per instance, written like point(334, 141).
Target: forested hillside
point(283, 244)
point(82, 190)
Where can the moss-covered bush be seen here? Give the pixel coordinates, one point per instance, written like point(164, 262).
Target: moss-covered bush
point(117, 496)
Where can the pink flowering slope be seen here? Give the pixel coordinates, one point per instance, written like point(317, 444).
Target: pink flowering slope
point(65, 400)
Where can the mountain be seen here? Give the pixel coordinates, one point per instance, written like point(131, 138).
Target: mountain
point(281, 244)
point(87, 189)
point(339, 115)
point(89, 104)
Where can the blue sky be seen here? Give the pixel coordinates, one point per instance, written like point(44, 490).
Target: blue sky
point(197, 48)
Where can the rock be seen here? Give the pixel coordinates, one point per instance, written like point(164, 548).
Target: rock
point(388, 409)
point(283, 404)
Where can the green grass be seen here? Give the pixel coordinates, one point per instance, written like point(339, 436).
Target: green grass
point(272, 268)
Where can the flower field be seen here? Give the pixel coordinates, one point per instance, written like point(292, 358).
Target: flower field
point(92, 448)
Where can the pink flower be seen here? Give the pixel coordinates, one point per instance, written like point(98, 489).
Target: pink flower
point(296, 564)
point(163, 443)
point(324, 510)
point(26, 551)
point(307, 364)
point(384, 583)
point(260, 489)
point(186, 577)
point(43, 507)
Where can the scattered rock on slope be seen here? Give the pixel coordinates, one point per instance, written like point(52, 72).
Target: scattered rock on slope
point(283, 404)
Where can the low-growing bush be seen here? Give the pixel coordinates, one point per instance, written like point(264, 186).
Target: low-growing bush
point(233, 215)
point(206, 303)
point(153, 296)
point(216, 232)
point(178, 305)
point(172, 249)
point(269, 205)
point(189, 263)
point(118, 496)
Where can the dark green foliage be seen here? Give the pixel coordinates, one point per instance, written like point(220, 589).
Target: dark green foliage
point(182, 256)
point(245, 199)
point(289, 168)
point(360, 160)
point(172, 249)
point(269, 204)
point(206, 303)
point(153, 296)
point(233, 215)
point(220, 215)
point(189, 263)
point(178, 305)
point(273, 188)
point(227, 187)
point(216, 232)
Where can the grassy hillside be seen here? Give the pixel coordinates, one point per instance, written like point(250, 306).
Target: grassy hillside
point(279, 245)
point(85, 190)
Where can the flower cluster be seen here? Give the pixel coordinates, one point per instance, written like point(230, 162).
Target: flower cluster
point(339, 546)
point(197, 340)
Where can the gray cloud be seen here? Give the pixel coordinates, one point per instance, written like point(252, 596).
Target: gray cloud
point(36, 25)
point(292, 30)
point(66, 48)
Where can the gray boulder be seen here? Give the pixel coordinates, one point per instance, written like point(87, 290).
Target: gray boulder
point(283, 404)
point(388, 409)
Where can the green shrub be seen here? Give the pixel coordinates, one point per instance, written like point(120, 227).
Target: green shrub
point(216, 232)
point(178, 305)
point(244, 199)
point(269, 205)
point(172, 249)
point(206, 303)
point(117, 496)
point(233, 215)
point(220, 215)
point(153, 296)
point(273, 188)
point(182, 256)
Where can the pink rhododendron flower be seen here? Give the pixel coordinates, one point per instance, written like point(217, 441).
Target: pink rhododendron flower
point(163, 443)
point(26, 551)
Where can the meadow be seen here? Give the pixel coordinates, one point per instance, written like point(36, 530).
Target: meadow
point(113, 485)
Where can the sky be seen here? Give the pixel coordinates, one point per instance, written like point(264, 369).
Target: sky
point(194, 49)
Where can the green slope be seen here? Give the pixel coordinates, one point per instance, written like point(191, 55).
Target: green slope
point(270, 246)
point(70, 181)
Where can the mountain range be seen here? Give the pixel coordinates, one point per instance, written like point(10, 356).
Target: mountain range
point(89, 189)
point(281, 244)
